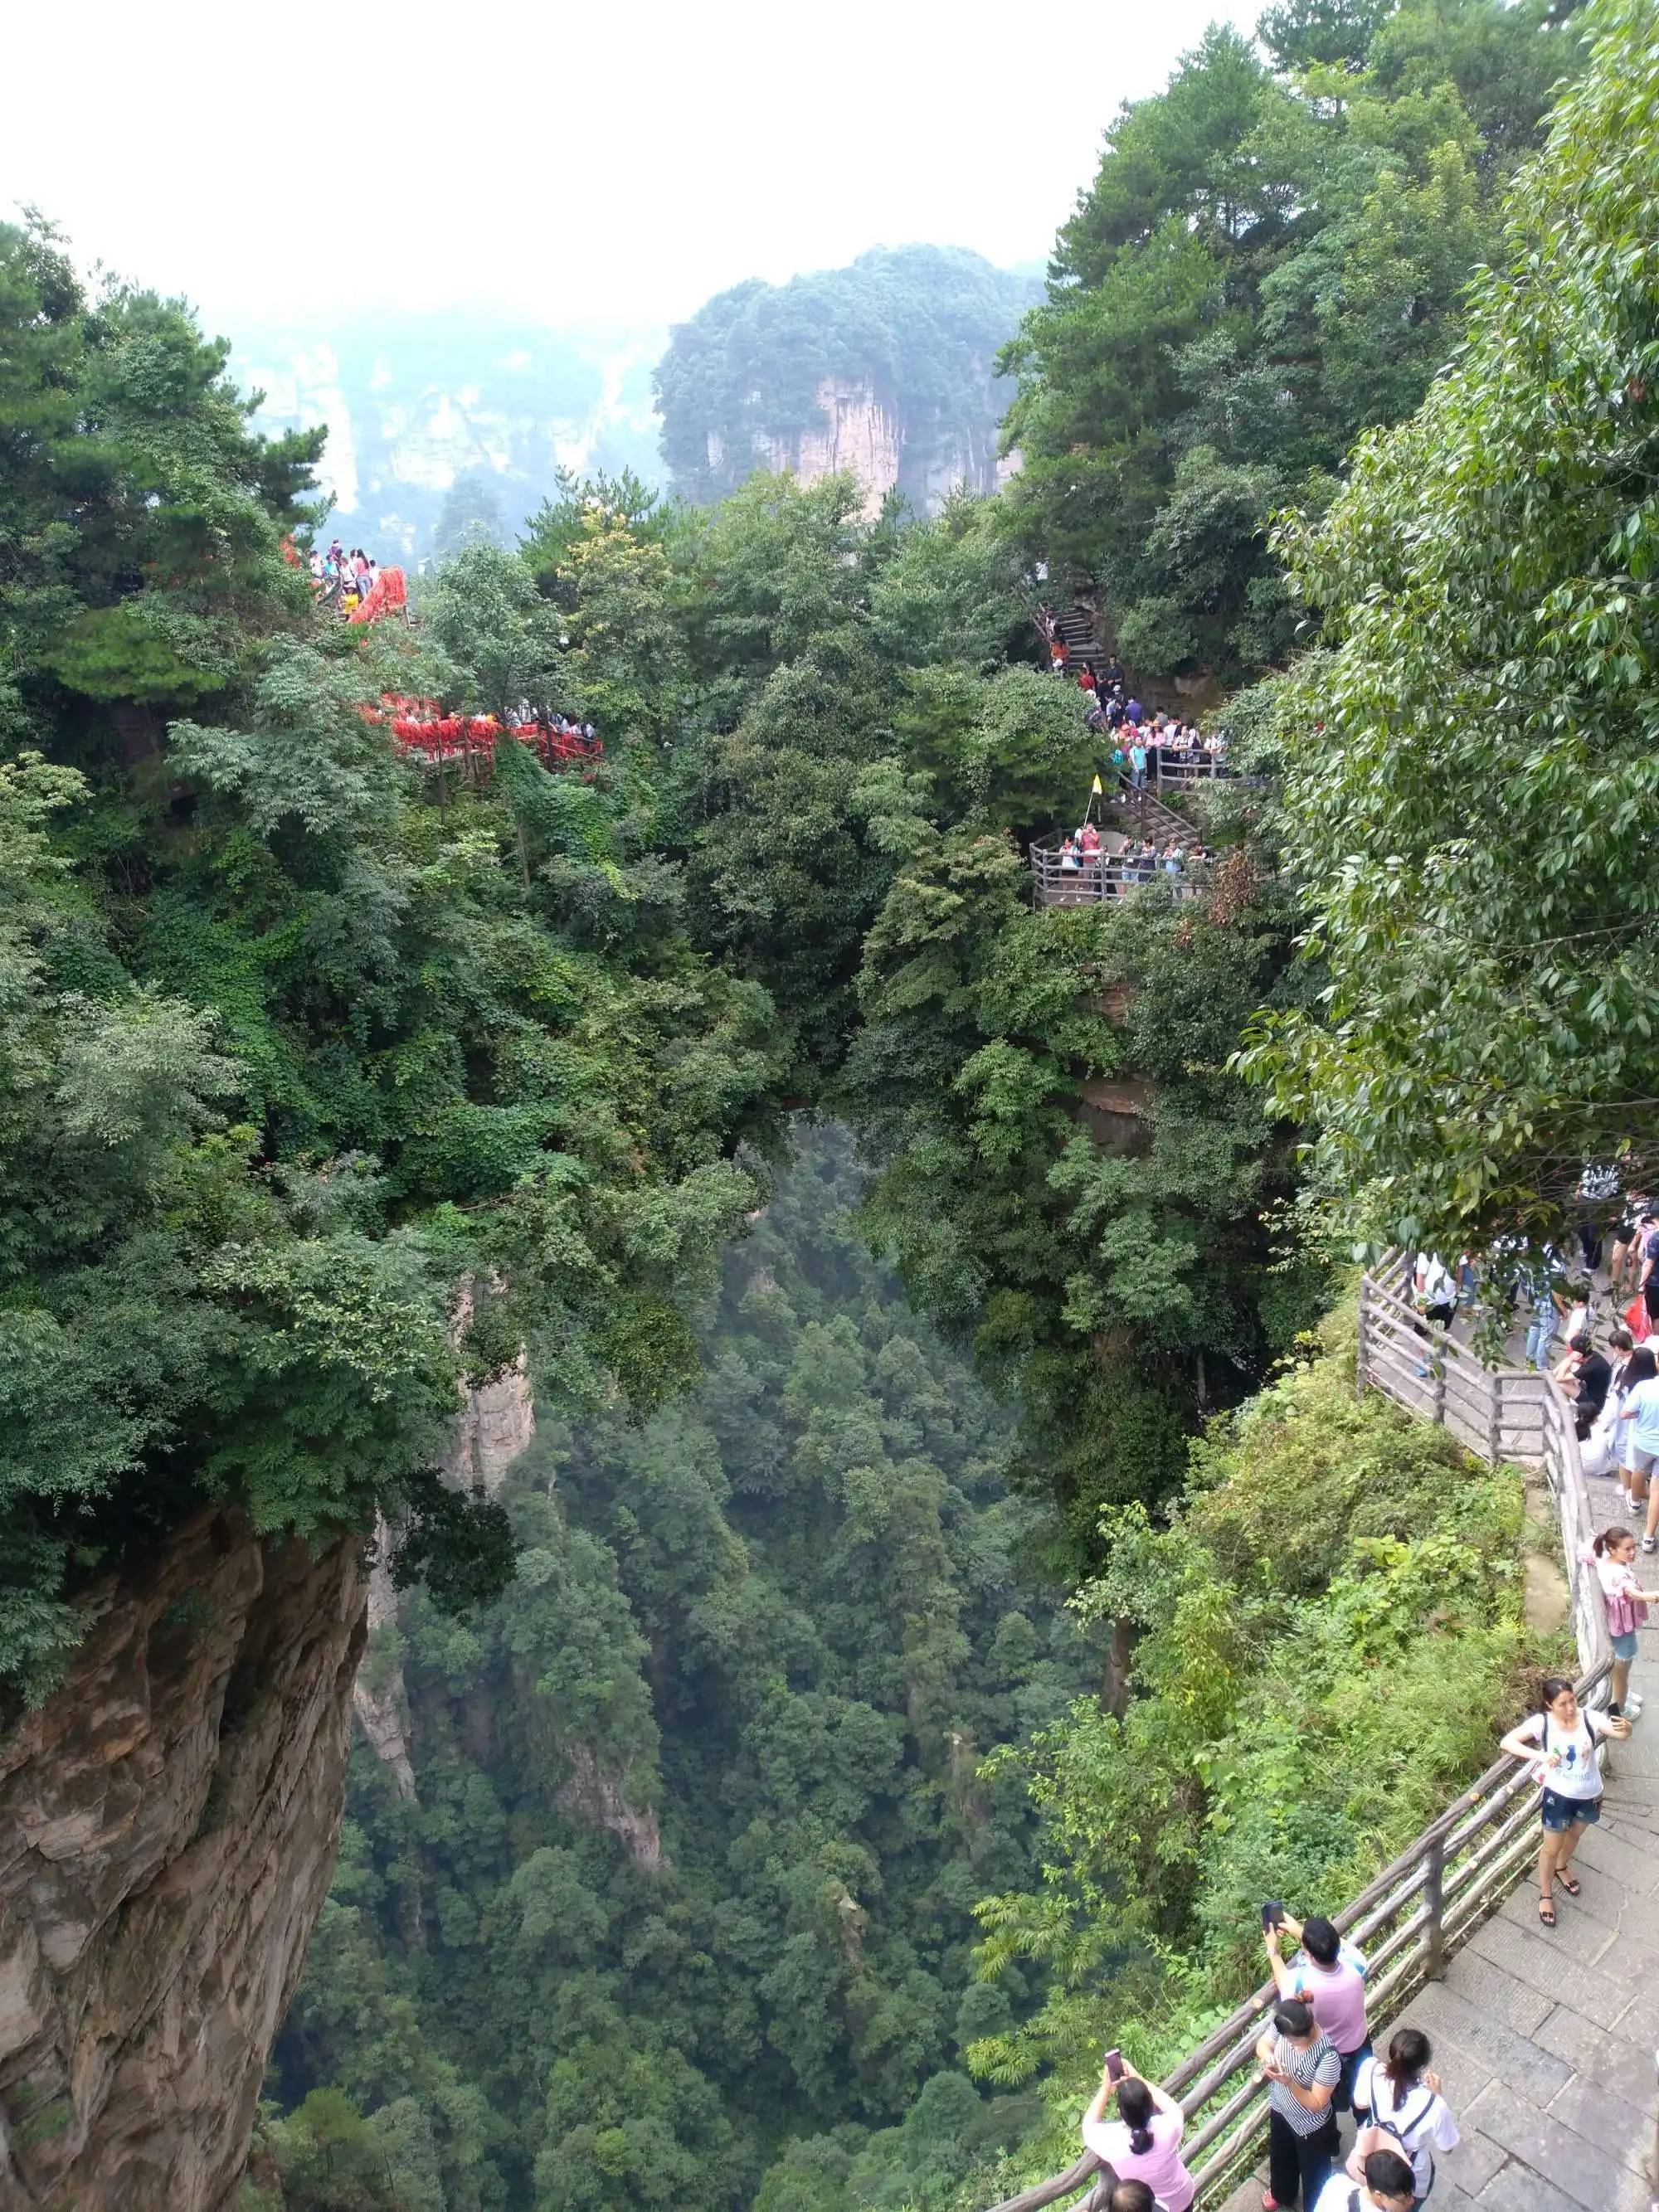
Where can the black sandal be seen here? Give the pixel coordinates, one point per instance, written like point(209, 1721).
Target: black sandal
point(1547, 1911)
point(1567, 1883)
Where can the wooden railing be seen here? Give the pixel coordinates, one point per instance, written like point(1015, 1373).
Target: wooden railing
point(1456, 1872)
point(1105, 876)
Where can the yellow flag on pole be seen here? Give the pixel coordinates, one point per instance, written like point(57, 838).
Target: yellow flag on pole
point(1098, 793)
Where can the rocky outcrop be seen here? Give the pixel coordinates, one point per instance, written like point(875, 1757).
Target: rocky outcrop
point(379, 1697)
point(594, 1795)
point(497, 1421)
point(169, 1823)
point(855, 428)
point(496, 1425)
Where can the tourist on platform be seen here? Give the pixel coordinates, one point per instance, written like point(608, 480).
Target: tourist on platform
point(1624, 1259)
point(1386, 2186)
point(1330, 1977)
point(1138, 764)
point(1641, 1366)
point(1070, 863)
point(1585, 1376)
point(1544, 1306)
point(1613, 1555)
point(1143, 2142)
point(1647, 1280)
point(1135, 712)
point(1434, 1293)
point(1131, 2197)
point(1638, 1416)
point(1057, 657)
point(1399, 2097)
point(1086, 679)
point(1302, 2070)
point(1088, 838)
point(1564, 1742)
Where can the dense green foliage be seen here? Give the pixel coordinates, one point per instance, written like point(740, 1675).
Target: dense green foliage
point(290, 1053)
point(330, 1084)
point(918, 326)
point(776, 1629)
point(1271, 260)
point(1474, 825)
point(1330, 1637)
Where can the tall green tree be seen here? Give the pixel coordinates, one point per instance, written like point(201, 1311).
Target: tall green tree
point(1472, 790)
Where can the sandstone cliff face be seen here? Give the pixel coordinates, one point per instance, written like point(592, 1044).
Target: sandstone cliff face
point(497, 1425)
point(169, 1823)
point(857, 430)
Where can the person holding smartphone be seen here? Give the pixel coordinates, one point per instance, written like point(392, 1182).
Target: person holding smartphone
point(1330, 1977)
point(1300, 2065)
point(1143, 2142)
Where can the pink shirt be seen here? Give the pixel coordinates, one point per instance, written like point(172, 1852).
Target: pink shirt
point(1336, 1996)
point(1160, 2167)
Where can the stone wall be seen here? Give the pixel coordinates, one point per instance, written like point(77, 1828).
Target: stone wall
point(169, 1823)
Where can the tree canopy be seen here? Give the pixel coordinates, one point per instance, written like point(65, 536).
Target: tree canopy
point(1472, 783)
point(1272, 258)
point(919, 326)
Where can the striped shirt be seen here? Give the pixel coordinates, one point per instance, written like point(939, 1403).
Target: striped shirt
point(1317, 2067)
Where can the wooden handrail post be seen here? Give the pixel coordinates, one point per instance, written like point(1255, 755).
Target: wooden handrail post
point(1434, 1904)
point(1359, 1376)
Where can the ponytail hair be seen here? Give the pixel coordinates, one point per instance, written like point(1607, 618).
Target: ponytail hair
point(1408, 2054)
point(1134, 2102)
point(1607, 1538)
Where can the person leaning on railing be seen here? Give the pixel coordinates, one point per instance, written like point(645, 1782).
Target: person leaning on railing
point(1143, 2142)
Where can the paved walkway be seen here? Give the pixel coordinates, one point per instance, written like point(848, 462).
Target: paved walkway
point(1546, 2043)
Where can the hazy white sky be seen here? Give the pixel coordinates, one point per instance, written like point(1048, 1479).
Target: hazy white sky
point(572, 163)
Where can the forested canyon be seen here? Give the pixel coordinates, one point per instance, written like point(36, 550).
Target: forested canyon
point(680, 1507)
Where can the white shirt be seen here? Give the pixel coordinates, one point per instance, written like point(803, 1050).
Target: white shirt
point(1420, 2119)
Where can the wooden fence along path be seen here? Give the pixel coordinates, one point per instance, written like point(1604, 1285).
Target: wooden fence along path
point(1545, 2042)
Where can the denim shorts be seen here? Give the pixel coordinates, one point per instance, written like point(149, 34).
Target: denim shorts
point(1560, 1813)
point(1624, 1647)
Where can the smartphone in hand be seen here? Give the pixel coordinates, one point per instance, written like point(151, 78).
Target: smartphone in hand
point(1115, 2065)
point(1272, 1914)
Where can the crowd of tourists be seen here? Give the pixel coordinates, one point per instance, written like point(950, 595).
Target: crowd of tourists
point(344, 580)
point(1598, 1339)
point(1315, 2056)
point(1137, 859)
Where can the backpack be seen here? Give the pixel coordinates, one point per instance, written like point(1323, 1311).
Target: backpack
point(1393, 2133)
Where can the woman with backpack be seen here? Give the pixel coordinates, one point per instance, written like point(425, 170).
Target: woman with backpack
point(1143, 2142)
point(1564, 1742)
point(1398, 2107)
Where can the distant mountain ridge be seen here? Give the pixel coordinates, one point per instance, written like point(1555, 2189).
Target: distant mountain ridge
point(886, 368)
point(437, 420)
point(418, 405)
